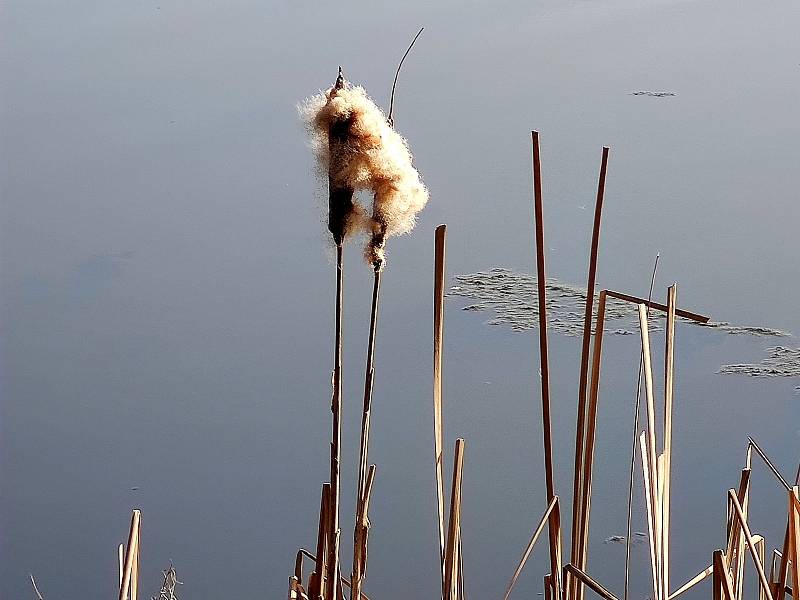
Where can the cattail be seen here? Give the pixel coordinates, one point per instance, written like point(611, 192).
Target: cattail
point(360, 151)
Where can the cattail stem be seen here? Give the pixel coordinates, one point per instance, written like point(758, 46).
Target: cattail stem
point(358, 562)
point(333, 565)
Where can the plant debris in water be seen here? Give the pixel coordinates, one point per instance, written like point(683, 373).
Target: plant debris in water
point(653, 94)
point(780, 362)
point(513, 299)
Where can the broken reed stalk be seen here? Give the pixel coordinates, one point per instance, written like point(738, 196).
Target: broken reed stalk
point(529, 548)
point(586, 342)
point(452, 563)
point(637, 406)
point(440, 244)
point(367, 410)
point(669, 380)
point(555, 567)
point(130, 552)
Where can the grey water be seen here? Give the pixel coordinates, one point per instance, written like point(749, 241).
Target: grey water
point(167, 281)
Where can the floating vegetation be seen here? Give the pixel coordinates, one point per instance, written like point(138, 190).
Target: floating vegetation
point(781, 362)
point(653, 94)
point(513, 299)
point(637, 538)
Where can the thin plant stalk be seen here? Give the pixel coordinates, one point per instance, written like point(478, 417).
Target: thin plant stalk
point(333, 564)
point(591, 429)
point(628, 530)
point(529, 548)
point(130, 551)
point(669, 381)
point(440, 245)
point(555, 567)
point(365, 420)
point(454, 527)
point(586, 342)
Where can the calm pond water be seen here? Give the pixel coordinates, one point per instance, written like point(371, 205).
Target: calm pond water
point(167, 281)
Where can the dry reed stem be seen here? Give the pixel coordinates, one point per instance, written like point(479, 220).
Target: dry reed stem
point(440, 253)
point(577, 483)
point(735, 547)
point(794, 536)
point(648, 494)
point(636, 410)
point(723, 585)
point(669, 383)
point(769, 463)
point(529, 547)
point(333, 565)
point(543, 353)
point(135, 568)
point(588, 459)
point(737, 508)
point(453, 533)
point(318, 578)
point(651, 449)
point(121, 561)
point(591, 583)
point(369, 375)
point(130, 551)
point(692, 316)
point(360, 539)
point(692, 582)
